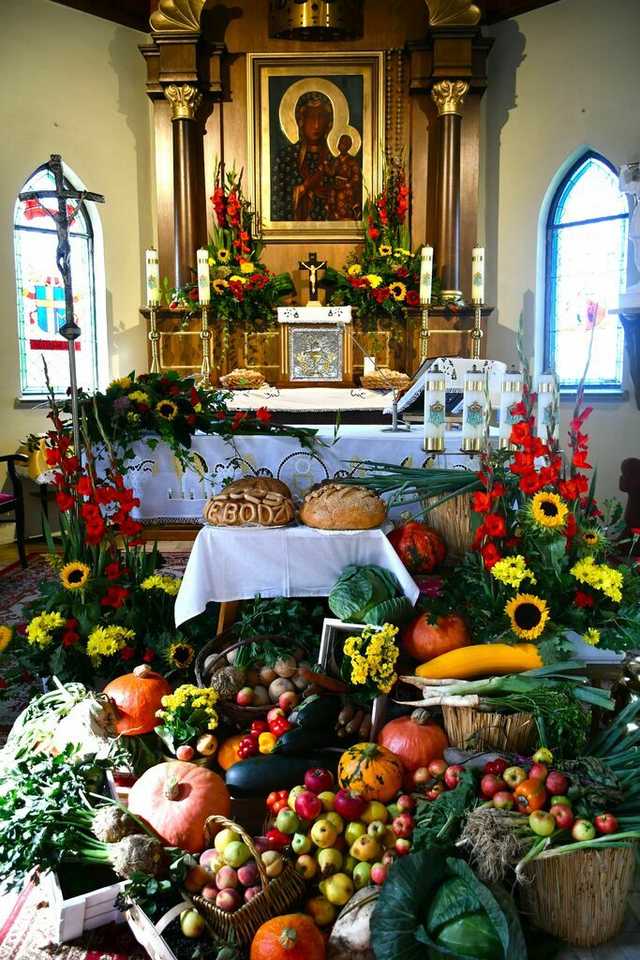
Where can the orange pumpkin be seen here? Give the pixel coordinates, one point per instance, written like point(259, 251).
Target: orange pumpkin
point(175, 799)
point(370, 770)
point(420, 548)
point(292, 937)
point(137, 697)
point(228, 751)
point(424, 640)
point(416, 739)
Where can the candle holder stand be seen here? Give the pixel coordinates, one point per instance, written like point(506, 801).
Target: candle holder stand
point(424, 334)
point(154, 338)
point(476, 332)
point(397, 425)
point(205, 336)
point(433, 445)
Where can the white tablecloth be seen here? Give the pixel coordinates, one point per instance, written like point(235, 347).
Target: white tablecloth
point(236, 563)
point(310, 399)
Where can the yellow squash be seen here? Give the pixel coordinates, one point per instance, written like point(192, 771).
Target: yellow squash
point(482, 660)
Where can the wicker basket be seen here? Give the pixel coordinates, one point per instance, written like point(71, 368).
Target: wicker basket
point(278, 896)
point(468, 728)
point(452, 520)
point(579, 897)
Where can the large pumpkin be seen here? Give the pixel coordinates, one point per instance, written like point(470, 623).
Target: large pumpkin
point(228, 751)
point(415, 739)
point(423, 640)
point(371, 771)
point(175, 799)
point(292, 937)
point(420, 548)
point(137, 697)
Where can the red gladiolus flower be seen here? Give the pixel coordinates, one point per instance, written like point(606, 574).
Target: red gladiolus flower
point(105, 495)
point(581, 482)
point(522, 463)
point(237, 419)
point(70, 464)
point(70, 638)
point(94, 531)
point(583, 599)
point(530, 483)
point(71, 623)
point(53, 457)
point(113, 571)
point(635, 531)
point(580, 460)
point(191, 419)
point(263, 415)
point(373, 232)
point(490, 555)
point(498, 491)
point(520, 433)
point(412, 298)
point(3, 683)
point(519, 409)
point(578, 421)
point(194, 397)
point(83, 487)
point(568, 489)
point(402, 272)
point(89, 511)
point(495, 525)
point(127, 653)
point(64, 501)
point(115, 597)
point(481, 502)
point(129, 528)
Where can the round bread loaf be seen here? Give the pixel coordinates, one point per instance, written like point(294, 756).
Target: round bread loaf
point(338, 506)
point(251, 502)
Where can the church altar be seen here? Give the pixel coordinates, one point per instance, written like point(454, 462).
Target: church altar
point(311, 399)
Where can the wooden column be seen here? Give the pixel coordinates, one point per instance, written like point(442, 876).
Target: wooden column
point(449, 96)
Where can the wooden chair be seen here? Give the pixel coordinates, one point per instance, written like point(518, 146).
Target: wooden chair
point(14, 502)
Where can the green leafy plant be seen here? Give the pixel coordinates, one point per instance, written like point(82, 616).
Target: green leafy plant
point(369, 594)
point(298, 621)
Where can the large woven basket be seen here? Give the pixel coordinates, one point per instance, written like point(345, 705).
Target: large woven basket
point(278, 896)
point(452, 520)
point(579, 897)
point(468, 728)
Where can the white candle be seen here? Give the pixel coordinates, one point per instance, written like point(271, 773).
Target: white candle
point(477, 275)
point(547, 409)
point(475, 410)
point(426, 275)
point(152, 277)
point(204, 289)
point(369, 366)
point(510, 395)
point(434, 409)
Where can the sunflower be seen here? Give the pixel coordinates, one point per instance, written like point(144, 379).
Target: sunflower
point(593, 540)
point(549, 510)
point(223, 255)
point(220, 285)
point(6, 633)
point(385, 250)
point(166, 409)
point(397, 290)
point(528, 615)
point(74, 576)
point(179, 655)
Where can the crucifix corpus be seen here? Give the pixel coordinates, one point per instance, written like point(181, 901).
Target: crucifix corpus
point(63, 217)
point(313, 266)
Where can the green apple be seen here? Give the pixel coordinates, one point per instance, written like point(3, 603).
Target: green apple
point(327, 799)
point(287, 821)
point(362, 875)
point(335, 819)
point(394, 810)
point(338, 889)
point(354, 830)
point(376, 829)
point(349, 864)
point(560, 799)
point(293, 793)
point(223, 838)
point(300, 843)
point(236, 853)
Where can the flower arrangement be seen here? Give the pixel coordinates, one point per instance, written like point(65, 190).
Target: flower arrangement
point(243, 289)
point(186, 715)
point(370, 659)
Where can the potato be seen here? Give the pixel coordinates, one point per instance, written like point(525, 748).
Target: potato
point(286, 667)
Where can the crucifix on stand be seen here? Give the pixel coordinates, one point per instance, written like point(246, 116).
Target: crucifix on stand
point(313, 266)
point(62, 218)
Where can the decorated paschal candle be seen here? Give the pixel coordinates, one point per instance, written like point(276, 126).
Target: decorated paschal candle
point(475, 410)
point(434, 409)
point(510, 395)
point(204, 288)
point(547, 408)
point(152, 275)
point(477, 275)
point(426, 275)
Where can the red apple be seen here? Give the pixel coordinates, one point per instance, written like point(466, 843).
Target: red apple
point(244, 697)
point(497, 766)
point(583, 830)
point(261, 844)
point(452, 775)
point(185, 752)
point(542, 823)
point(563, 815)
point(308, 805)
point(318, 780)
point(277, 840)
point(288, 700)
point(436, 768)
point(388, 857)
point(434, 792)
point(403, 846)
point(273, 713)
point(556, 782)
point(606, 823)
point(422, 775)
point(379, 873)
point(349, 805)
point(539, 772)
point(490, 785)
point(405, 803)
point(403, 825)
point(503, 800)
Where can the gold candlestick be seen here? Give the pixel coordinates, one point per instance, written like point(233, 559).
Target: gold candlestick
point(154, 337)
point(424, 334)
point(477, 332)
point(205, 337)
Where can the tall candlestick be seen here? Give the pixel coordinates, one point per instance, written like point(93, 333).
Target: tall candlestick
point(204, 288)
point(477, 275)
point(426, 275)
point(510, 394)
point(475, 410)
point(547, 410)
point(434, 410)
point(152, 277)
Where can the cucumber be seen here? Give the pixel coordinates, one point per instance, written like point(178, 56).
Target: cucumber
point(258, 776)
point(317, 711)
point(300, 740)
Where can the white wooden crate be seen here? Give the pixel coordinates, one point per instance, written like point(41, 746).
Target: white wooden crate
point(149, 935)
point(84, 912)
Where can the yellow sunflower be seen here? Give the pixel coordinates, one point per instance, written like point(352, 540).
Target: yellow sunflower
point(74, 576)
point(220, 285)
point(166, 409)
point(594, 540)
point(6, 633)
point(397, 290)
point(354, 270)
point(385, 250)
point(179, 655)
point(549, 510)
point(223, 255)
point(528, 615)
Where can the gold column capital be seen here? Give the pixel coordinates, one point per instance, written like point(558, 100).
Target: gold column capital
point(453, 13)
point(449, 96)
point(177, 16)
point(185, 100)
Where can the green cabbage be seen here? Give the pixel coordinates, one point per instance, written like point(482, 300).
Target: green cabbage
point(369, 594)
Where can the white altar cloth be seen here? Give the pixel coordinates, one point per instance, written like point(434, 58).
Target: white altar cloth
point(310, 399)
point(236, 563)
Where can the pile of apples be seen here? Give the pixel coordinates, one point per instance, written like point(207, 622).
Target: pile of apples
point(337, 839)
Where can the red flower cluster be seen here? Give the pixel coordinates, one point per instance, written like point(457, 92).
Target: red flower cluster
point(372, 230)
point(219, 202)
point(402, 204)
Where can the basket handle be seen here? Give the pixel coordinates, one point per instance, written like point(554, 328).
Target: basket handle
point(221, 821)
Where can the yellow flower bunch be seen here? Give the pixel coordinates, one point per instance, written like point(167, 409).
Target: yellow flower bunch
point(40, 629)
point(133, 417)
point(354, 270)
point(237, 278)
point(373, 657)
point(157, 581)
point(105, 641)
point(247, 267)
point(374, 280)
point(591, 636)
point(188, 698)
point(512, 571)
point(6, 633)
point(124, 383)
point(139, 396)
point(401, 252)
point(600, 576)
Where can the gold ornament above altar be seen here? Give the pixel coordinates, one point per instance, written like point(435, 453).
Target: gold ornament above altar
point(315, 19)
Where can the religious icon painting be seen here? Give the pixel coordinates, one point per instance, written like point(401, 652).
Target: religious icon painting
point(316, 129)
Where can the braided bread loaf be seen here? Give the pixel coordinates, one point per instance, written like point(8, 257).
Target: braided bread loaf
point(338, 506)
point(252, 502)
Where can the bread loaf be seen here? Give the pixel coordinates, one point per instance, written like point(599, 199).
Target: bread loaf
point(338, 506)
point(252, 502)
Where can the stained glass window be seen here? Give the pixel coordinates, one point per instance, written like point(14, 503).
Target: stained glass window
point(40, 292)
point(586, 270)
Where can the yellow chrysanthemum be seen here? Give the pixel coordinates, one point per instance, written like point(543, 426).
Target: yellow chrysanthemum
point(223, 255)
point(373, 656)
point(74, 576)
point(591, 636)
point(157, 581)
point(139, 396)
point(180, 655)
point(385, 250)
point(166, 409)
point(400, 251)
point(40, 629)
point(528, 615)
point(374, 280)
point(354, 270)
point(549, 510)
point(106, 641)
point(237, 278)
point(133, 417)
point(247, 267)
point(6, 633)
point(211, 261)
point(220, 285)
point(512, 571)
point(397, 290)
point(600, 576)
point(123, 382)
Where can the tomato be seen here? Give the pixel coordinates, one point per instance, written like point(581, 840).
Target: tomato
point(279, 805)
point(272, 798)
point(530, 795)
point(283, 794)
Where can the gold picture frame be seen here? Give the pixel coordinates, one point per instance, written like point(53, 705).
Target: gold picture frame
point(346, 91)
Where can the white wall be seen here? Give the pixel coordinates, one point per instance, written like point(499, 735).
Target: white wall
point(561, 78)
point(74, 85)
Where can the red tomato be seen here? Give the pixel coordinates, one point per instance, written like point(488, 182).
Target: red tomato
point(283, 794)
point(279, 805)
point(271, 799)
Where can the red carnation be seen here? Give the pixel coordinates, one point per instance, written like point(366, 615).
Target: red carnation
point(115, 597)
point(70, 638)
point(112, 571)
point(149, 655)
point(127, 653)
point(380, 294)
point(263, 415)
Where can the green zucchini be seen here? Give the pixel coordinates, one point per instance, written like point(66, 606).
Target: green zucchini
point(317, 711)
point(258, 776)
point(300, 740)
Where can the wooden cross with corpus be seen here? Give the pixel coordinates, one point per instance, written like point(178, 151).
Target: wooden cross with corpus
point(70, 329)
point(313, 265)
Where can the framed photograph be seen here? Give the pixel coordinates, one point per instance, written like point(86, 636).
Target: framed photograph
point(315, 141)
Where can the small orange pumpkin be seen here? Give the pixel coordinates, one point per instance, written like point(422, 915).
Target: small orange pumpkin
point(416, 739)
point(420, 548)
point(228, 751)
point(370, 770)
point(424, 640)
point(176, 798)
point(292, 937)
point(137, 697)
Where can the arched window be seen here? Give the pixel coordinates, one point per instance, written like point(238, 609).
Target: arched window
point(586, 269)
point(40, 292)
